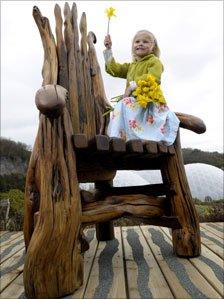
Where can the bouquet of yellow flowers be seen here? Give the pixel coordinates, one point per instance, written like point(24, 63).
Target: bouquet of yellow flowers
point(148, 91)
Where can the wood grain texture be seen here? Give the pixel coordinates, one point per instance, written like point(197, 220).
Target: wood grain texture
point(61, 49)
point(209, 265)
point(15, 289)
point(191, 122)
point(101, 104)
point(138, 261)
point(186, 241)
point(149, 280)
point(50, 66)
point(182, 277)
point(56, 234)
point(72, 74)
point(113, 207)
point(11, 268)
point(51, 100)
point(79, 71)
point(89, 126)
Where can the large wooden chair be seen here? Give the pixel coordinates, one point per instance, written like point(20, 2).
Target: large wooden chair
point(71, 147)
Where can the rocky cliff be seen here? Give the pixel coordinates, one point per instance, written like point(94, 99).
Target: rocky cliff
point(16, 165)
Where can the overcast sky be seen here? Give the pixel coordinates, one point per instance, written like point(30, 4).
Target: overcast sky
point(190, 37)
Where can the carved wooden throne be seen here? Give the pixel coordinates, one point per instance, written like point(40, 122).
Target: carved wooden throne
point(71, 147)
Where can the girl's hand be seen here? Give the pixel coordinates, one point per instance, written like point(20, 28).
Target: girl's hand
point(128, 91)
point(130, 88)
point(107, 42)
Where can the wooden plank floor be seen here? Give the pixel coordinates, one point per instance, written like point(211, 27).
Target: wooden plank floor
point(139, 263)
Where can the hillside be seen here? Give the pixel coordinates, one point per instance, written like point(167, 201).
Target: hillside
point(197, 156)
point(14, 156)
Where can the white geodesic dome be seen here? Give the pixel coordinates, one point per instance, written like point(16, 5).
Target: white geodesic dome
point(205, 181)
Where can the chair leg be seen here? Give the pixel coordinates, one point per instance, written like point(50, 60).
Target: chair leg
point(53, 265)
point(186, 241)
point(104, 230)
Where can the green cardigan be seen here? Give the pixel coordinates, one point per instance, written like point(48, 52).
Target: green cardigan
point(137, 70)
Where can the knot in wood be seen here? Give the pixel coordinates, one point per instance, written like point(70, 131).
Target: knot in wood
point(51, 100)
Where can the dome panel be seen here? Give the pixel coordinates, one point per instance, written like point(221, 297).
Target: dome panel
point(204, 180)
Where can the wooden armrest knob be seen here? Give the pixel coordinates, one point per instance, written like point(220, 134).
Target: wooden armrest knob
point(51, 100)
point(191, 122)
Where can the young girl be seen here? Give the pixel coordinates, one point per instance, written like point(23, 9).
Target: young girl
point(130, 120)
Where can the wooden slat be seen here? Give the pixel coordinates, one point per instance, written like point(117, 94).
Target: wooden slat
point(13, 238)
point(117, 145)
point(50, 66)
point(73, 90)
point(220, 224)
point(208, 264)
point(80, 141)
point(134, 146)
point(9, 237)
point(61, 49)
point(101, 143)
point(145, 279)
point(98, 145)
point(212, 242)
point(171, 149)
point(101, 104)
point(89, 117)
point(88, 261)
point(162, 148)
point(204, 272)
point(151, 147)
point(108, 281)
point(15, 289)
point(11, 248)
point(3, 232)
point(11, 268)
point(204, 266)
point(183, 278)
point(212, 229)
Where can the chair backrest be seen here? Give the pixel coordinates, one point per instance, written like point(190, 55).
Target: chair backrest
point(75, 67)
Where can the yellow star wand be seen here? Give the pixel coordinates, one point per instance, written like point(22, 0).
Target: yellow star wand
point(110, 12)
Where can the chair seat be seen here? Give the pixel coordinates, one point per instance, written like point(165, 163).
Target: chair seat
point(104, 153)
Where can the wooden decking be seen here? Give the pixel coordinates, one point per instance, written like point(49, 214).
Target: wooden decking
point(139, 263)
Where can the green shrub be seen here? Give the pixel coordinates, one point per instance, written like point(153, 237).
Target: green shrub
point(16, 212)
point(12, 181)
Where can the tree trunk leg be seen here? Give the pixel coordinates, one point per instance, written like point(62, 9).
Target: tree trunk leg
point(186, 241)
point(104, 230)
point(54, 264)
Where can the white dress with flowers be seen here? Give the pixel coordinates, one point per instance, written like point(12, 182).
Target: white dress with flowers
point(131, 119)
point(155, 122)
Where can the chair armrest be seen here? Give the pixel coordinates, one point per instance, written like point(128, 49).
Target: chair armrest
point(191, 122)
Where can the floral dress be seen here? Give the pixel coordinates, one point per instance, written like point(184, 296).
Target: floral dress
point(129, 120)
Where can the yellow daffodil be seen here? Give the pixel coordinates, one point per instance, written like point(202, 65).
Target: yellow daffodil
point(110, 12)
point(148, 91)
point(145, 89)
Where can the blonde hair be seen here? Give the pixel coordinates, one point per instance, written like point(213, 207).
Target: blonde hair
point(155, 50)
